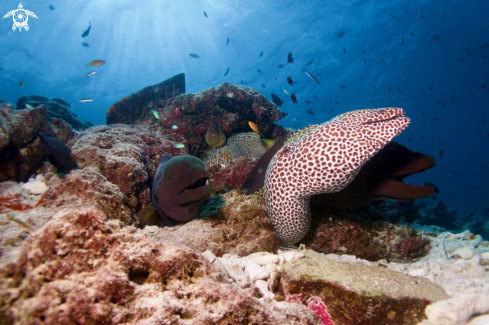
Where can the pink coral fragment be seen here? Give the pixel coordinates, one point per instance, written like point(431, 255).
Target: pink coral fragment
point(294, 298)
point(317, 305)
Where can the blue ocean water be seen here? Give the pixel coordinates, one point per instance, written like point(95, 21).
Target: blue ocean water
point(429, 57)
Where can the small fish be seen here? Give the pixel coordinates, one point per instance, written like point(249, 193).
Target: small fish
point(402, 40)
point(277, 101)
point(441, 152)
point(51, 7)
point(280, 66)
point(285, 91)
point(21, 84)
point(317, 98)
point(380, 60)
point(205, 14)
point(227, 42)
point(263, 85)
point(289, 58)
point(259, 70)
point(85, 44)
point(485, 46)
point(303, 69)
point(95, 63)
point(436, 38)
point(342, 86)
point(228, 157)
point(411, 33)
point(290, 81)
point(29, 106)
point(91, 73)
point(294, 119)
point(308, 101)
point(20, 223)
point(85, 33)
point(174, 126)
point(365, 61)
point(253, 127)
point(341, 33)
point(85, 100)
point(310, 111)
point(156, 114)
point(294, 99)
point(310, 62)
point(193, 55)
point(261, 54)
point(319, 74)
point(310, 75)
point(1, 69)
point(344, 50)
point(393, 16)
point(179, 145)
point(421, 15)
point(226, 73)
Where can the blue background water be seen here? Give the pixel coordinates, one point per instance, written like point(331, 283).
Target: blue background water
point(146, 42)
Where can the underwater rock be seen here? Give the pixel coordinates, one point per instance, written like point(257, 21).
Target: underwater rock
point(340, 231)
point(230, 176)
point(359, 294)
point(21, 154)
point(227, 104)
point(179, 188)
point(127, 156)
point(439, 215)
point(138, 107)
point(82, 268)
point(215, 136)
point(230, 223)
point(57, 108)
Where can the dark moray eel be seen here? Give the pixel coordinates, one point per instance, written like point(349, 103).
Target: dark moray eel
point(57, 152)
point(179, 188)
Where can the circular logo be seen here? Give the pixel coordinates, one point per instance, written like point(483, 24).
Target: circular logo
point(20, 18)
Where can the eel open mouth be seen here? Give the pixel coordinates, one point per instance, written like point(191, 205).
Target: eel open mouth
point(195, 192)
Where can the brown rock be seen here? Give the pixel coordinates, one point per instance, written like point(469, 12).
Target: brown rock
point(81, 269)
point(229, 223)
point(360, 294)
point(138, 107)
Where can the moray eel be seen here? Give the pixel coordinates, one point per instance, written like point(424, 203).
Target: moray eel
point(57, 152)
point(381, 178)
point(179, 188)
point(323, 158)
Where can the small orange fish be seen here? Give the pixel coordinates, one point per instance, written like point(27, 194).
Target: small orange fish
point(95, 63)
point(21, 84)
point(253, 127)
point(225, 155)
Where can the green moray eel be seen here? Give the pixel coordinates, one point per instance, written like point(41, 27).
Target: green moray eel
point(179, 188)
point(323, 158)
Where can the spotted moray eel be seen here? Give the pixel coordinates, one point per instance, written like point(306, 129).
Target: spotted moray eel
point(323, 158)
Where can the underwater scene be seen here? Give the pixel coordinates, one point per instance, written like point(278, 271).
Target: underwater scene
point(244, 162)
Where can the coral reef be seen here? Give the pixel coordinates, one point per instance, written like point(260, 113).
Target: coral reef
point(356, 232)
point(223, 178)
point(137, 108)
point(57, 109)
point(227, 104)
point(81, 269)
point(228, 224)
point(359, 294)
point(20, 151)
point(126, 155)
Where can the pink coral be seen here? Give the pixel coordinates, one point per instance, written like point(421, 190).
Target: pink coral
point(294, 298)
point(317, 305)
